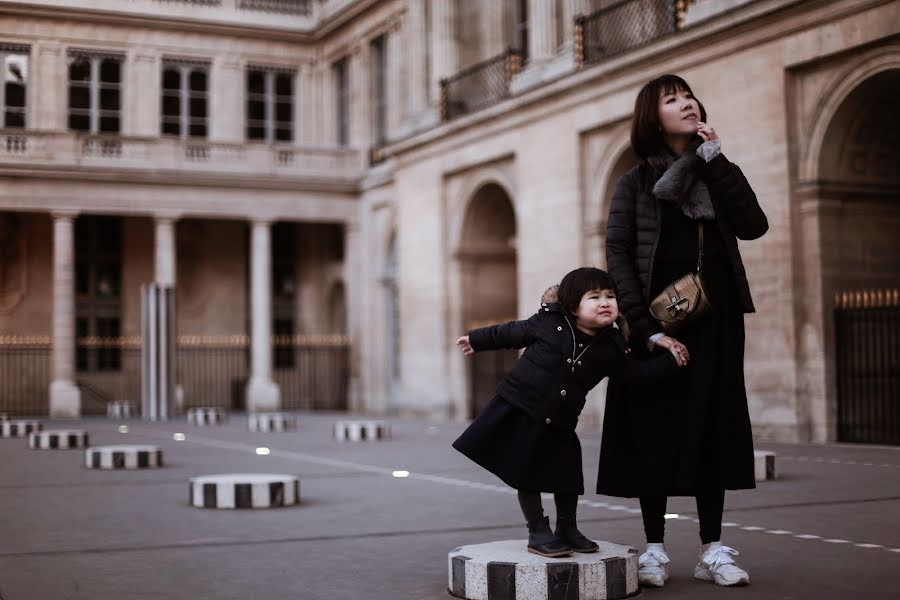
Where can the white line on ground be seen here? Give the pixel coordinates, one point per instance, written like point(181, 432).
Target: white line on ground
point(834, 461)
point(302, 456)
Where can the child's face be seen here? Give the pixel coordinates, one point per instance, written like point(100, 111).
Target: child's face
point(597, 309)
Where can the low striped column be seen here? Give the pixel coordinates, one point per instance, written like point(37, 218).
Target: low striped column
point(244, 490)
point(764, 465)
point(361, 431)
point(271, 422)
point(506, 571)
point(58, 439)
point(206, 415)
point(18, 428)
point(123, 457)
point(118, 410)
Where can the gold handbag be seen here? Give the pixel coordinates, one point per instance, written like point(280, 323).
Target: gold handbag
point(683, 301)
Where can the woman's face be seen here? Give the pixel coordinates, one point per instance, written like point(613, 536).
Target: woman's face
point(679, 113)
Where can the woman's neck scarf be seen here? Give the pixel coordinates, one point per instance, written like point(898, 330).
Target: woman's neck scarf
point(680, 183)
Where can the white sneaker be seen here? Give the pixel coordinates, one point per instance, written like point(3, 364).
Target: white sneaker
point(717, 565)
point(653, 569)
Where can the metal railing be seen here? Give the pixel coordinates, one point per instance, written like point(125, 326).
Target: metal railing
point(297, 7)
point(480, 85)
point(624, 26)
point(867, 344)
point(211, 371)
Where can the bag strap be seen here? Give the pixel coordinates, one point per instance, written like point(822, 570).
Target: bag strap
point(700, 247)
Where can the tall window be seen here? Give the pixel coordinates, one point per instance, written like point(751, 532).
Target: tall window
point(342, 99)
point(98, 290)
point(270, 105)
point(185, 99)
point(95, 92)
point(379, 90)
point(520, 27)
point(15, 85)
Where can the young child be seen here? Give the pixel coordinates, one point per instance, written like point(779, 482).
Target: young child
point(526, 434)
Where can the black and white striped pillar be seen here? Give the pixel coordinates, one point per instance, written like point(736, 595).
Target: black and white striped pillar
point(764, 465)
point(244, 490)
point(118, 410)
point(361, 431)
point(123, 457)
point(58, 439)
point(18, 428)
point(271, 422)
point(206, 415)
point(507, 571)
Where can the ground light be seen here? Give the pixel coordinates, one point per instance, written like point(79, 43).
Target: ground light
point(400, 474)
point(262, 451)
point(123, 428)
point(178, 437)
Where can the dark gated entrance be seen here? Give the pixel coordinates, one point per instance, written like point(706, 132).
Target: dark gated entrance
point(867, 343)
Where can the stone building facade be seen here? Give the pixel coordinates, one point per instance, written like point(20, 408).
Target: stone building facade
point(392, 172)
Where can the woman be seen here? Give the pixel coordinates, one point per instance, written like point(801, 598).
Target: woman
point(690, 436)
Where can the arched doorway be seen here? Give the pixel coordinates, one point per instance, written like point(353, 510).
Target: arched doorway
point(858, 196)
point(488, 284)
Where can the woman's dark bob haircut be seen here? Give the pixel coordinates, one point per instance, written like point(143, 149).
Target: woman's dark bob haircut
point(646, 132)
point(579, 282)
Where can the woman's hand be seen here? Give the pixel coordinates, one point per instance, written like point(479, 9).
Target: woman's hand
point(465, 346)
point(706, 132)
point(678, 350)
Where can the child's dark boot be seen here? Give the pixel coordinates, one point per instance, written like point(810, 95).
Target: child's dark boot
point(542, 540)
point(567, 530)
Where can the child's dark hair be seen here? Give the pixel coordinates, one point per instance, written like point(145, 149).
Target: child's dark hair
point(579, 282)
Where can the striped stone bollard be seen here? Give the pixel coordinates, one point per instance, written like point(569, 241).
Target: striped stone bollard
point(271, 422)
point(123, 457)
point(18, 428)
point(502, 570)
point(58, 439)
point(206, 415)
point(118, 410)
point(244, 490)
point(361, 431)
point(764, 465)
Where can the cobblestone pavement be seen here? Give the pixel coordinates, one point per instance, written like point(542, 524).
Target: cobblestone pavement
point(828, 528)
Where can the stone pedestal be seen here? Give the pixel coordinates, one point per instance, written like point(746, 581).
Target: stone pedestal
point(361, 431)
point(18, 428)
point(271, 422)
point(58, 439)
point(244, 490)
point(504, 570)
point(764, 465)
point(206, 415)
point(123, 457)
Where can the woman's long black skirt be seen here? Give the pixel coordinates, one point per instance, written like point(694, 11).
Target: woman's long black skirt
point(527, 455)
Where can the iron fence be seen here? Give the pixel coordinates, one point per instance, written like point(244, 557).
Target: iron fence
point(867, 343)
point(211, 371)
point(480, 85)
point(624, 26)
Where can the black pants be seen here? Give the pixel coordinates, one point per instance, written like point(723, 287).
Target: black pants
point(530, 502)
point(709, 509)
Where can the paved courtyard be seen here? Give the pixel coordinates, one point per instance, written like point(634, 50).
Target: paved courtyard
point(828, 528)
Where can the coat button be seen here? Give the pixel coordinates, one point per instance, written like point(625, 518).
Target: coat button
point(559, 328)
point(547, 309)
point(562, 393)
point(579, 345)
point(569, 360)
point(579, 362)
point(547, 421)
point(543, 304)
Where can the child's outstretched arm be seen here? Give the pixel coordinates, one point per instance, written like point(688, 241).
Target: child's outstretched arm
point(514, 334)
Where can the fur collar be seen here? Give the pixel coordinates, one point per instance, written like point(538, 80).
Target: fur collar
point(680, 183)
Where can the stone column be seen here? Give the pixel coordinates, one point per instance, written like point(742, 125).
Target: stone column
point(360, 96)
point(48, 88)
point(227, 106)
point(262, 393)
point(305, 110)
point(541, 30)
point(352, 292)
point(395, 97)
point(141, 109)
point(65, 397)
point(571, 9)
point(444, 54)
point(416, 27)
point(165, 251)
